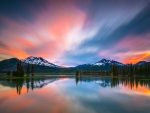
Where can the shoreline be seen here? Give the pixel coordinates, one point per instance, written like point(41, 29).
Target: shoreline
point(72, 75)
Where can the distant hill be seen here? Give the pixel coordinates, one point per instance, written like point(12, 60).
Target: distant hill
point(8, 64)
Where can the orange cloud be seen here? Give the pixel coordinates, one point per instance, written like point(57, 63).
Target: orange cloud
point(133, 48)
point(13, 52)
point(136, 58)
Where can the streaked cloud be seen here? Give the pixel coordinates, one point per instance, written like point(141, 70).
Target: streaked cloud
point(73, 32)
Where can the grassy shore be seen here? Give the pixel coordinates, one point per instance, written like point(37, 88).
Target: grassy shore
point(48, 75)
point(40, 75)
point(43, 76)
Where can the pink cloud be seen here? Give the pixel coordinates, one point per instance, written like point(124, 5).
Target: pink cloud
point(138, 48)
point(130, 49)
point(103, 53)
point(46, 36)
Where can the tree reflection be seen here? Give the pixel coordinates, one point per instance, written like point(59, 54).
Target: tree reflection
point(18, 84)
point(115, 81)
point(77, 80)
point(29, 83)
point(130, 82)
point(32, 83)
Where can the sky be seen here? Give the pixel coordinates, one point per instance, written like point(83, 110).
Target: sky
point(73, 32)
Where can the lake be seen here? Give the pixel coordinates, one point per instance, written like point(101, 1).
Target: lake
point(74, 95)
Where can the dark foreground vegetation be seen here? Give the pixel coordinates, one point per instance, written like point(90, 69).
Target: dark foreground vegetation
point(19, 72)
point(131, 70)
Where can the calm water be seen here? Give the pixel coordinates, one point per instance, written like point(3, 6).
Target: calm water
point(74, 95)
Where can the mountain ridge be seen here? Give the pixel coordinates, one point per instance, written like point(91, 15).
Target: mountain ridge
point(38, 61)
point(105, 61)
point(42, 65)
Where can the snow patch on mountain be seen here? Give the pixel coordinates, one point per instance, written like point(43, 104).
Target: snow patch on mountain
point(38, 61)
point(103, 62)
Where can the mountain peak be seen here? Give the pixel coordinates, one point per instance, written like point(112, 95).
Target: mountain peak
point(38, 61)
point(32, 57)
point(105, 61)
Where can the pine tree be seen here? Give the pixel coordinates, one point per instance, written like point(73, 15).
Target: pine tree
point(18, 69)
point(77, 72)
point(8, 73)
point(146, 70)
point(131, 70)
point(32, 70)
point(21, 71)
point(135, 70)
point(123, 71)
point(28, 70)
point(115, 70)
point(112, 69)
point(149, 69)
point(18, 65)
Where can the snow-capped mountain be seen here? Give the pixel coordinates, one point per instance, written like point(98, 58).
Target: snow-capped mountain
point(103, 62)
point(38, 61)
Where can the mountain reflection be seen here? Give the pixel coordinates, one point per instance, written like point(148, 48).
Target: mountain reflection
point(29, 83)
point(32, 83)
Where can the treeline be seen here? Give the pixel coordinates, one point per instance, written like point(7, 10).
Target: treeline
point(19, 72)
point(93, 73)
point(131, 70)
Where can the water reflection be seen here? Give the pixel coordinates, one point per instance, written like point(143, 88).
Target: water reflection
point(32, 83)
point(114, 82)
point(75, 95)
point(29, 83)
